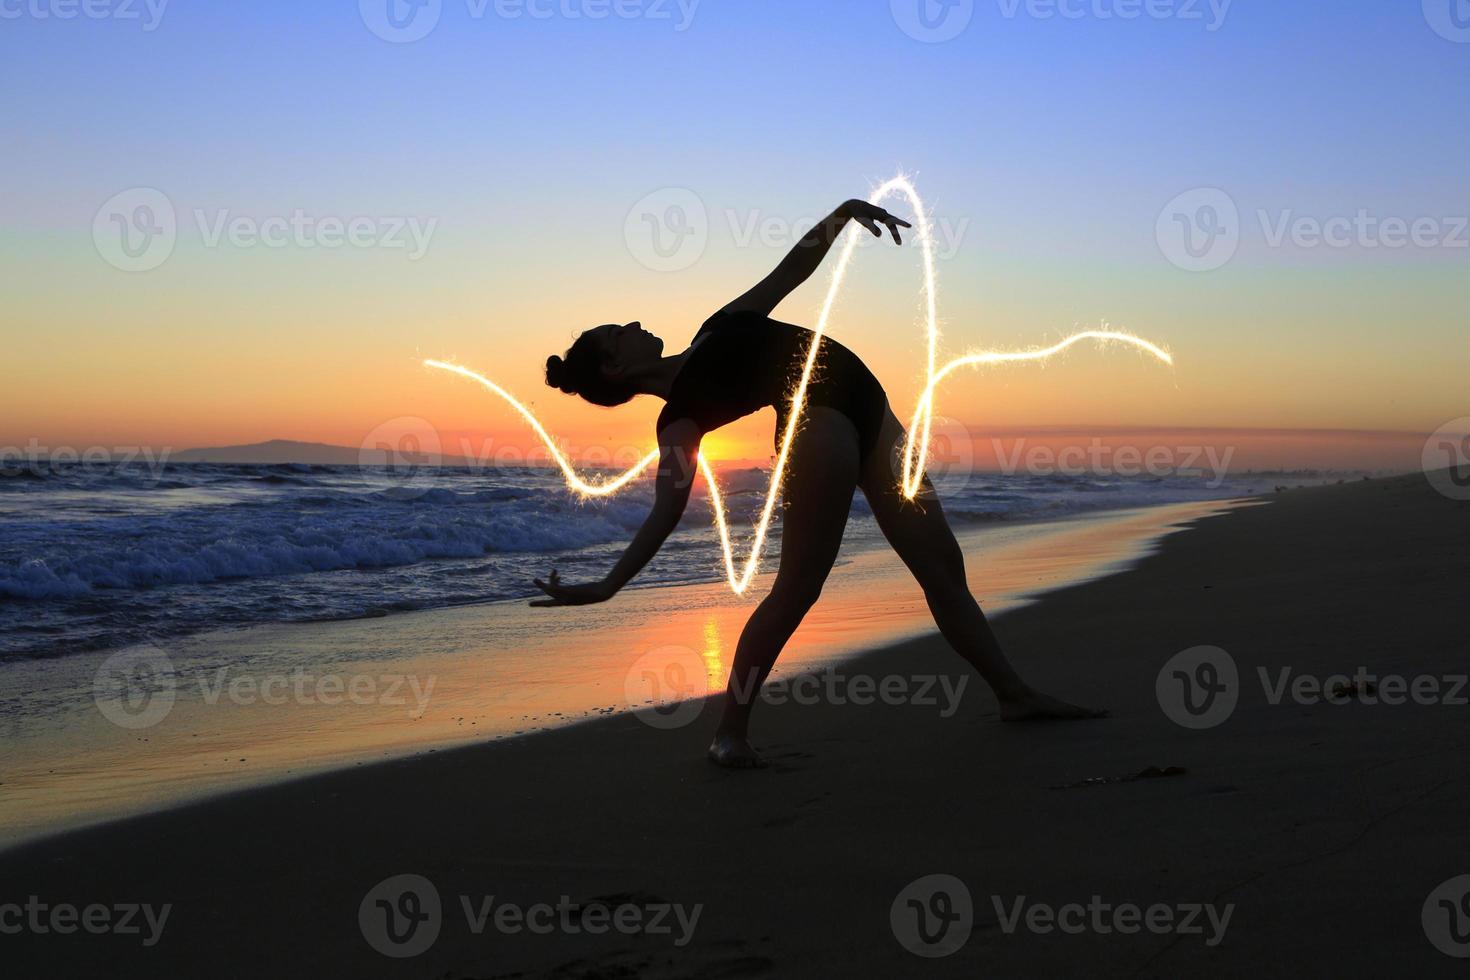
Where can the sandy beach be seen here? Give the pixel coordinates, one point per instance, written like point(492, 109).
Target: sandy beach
point(1289, 836)
point(240, 708)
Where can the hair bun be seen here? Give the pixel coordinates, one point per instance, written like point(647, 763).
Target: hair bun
point(556, 374)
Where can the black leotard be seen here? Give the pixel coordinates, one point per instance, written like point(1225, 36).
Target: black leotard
point(743, 362)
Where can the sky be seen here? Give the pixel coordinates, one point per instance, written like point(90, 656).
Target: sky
point(1275, 191)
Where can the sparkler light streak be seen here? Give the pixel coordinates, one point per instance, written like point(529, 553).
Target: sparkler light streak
point(916, 449)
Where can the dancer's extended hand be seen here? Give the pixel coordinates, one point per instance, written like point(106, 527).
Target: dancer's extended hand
point(570, 595)
point(870, 216)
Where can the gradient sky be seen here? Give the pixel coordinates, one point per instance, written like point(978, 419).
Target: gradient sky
point(1054, 143)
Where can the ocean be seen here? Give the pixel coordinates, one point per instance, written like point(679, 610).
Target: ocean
point(97, 556)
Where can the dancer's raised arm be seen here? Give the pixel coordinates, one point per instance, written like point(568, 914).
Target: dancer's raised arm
point(808, 254)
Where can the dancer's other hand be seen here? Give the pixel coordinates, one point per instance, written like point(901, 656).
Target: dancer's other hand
point(571, 595)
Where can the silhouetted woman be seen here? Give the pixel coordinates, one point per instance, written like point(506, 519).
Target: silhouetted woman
point(740, 362)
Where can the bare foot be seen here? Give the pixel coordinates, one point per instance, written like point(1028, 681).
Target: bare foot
point(1035, 706)
point(734, 752)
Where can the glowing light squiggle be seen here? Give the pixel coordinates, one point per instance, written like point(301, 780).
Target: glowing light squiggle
point(916, 449)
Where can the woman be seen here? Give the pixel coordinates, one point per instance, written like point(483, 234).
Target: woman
point(741, 361)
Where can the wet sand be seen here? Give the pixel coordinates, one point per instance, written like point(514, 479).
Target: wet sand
point(1322, 827)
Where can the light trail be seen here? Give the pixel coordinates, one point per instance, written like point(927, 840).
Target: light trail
point(916, 449)
point(574, 479)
